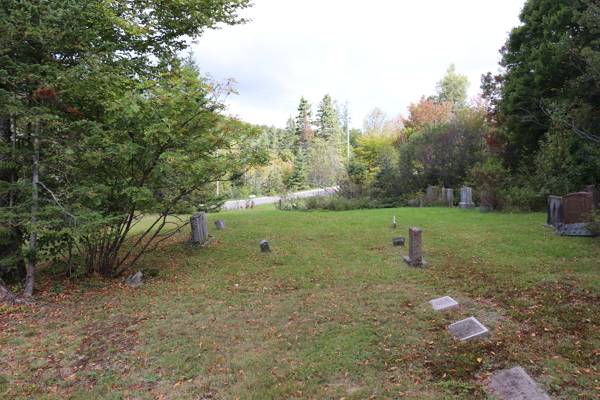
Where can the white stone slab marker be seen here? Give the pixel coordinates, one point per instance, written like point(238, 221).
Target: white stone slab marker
point(515, 384)
point(468, 328)
point(444, 303)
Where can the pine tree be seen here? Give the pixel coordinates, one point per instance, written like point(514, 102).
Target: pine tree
point(304, 122)
point(299, 176)
point(328, 125)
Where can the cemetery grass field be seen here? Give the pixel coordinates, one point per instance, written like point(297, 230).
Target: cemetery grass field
point(332, 313)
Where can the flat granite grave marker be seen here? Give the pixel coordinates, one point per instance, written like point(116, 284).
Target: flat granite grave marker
point(468, 329)
point(444, 303)
point(515, 384)
point(466, 199)
point(398, 241)
point(415, 256)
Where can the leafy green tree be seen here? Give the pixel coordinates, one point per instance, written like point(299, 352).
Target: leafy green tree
point(453, 88)
point(64, 65)
point(328, 125)
point(545, 65)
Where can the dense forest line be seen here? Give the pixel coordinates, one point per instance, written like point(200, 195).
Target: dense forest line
point(533, 131)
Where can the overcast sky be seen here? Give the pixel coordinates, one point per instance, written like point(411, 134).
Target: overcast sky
point(380, 53)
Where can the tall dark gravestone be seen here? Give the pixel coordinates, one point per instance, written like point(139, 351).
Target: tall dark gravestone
point(555, 210)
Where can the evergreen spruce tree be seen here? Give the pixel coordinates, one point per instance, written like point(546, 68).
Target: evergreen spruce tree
point(304, 122)
point(328, 125)
point(299, 177)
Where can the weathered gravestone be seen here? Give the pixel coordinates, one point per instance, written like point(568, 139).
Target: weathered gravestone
point(433, 194)
point(448, 198)
point(220, 224)
point(576, 206)
point(199, 225)
point(466, 199)
point(592, 189)
point(468, 328)
point(398, 241)
point(394, 222)
point(415, 256)
point(264, 246)
point(135, 280)
point(515, 384)
point(485, 197)
point(555, 210)
point(444, 303)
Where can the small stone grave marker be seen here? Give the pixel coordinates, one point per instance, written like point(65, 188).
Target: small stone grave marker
point(264, 246)
point(398, 241)
point(415, 256)
point(444, 303)
point(135, 280)
point(468, 329)
point(220, 224)
point(466, 199)
point(515, 384)
point(394, 222)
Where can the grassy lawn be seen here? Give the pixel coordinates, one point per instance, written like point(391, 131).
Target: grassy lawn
point(333, 312)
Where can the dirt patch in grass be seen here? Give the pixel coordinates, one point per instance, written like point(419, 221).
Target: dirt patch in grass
point(104, 338)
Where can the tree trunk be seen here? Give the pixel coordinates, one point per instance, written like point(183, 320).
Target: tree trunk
point(12, 267)
point(31, 262)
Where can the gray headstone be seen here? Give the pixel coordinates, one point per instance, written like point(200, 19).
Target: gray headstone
point(220, 224)
point(264, 246)
point(466, 199)
point(555, 210)
point(515, 384)
point(135, 280)
point(468, 328)
point(398, 241)
point(199, 225)
point(394, 222)
point(444, 303)
point(448, 197)
point(415, 256)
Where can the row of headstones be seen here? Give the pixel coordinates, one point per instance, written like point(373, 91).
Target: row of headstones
point(568, 214)
point(435, 194)
point(510, 384)
point(199, 224)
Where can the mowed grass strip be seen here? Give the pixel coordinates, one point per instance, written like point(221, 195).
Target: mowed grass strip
point(333, 312)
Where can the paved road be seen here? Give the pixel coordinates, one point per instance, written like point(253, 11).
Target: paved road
point(241, 204)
